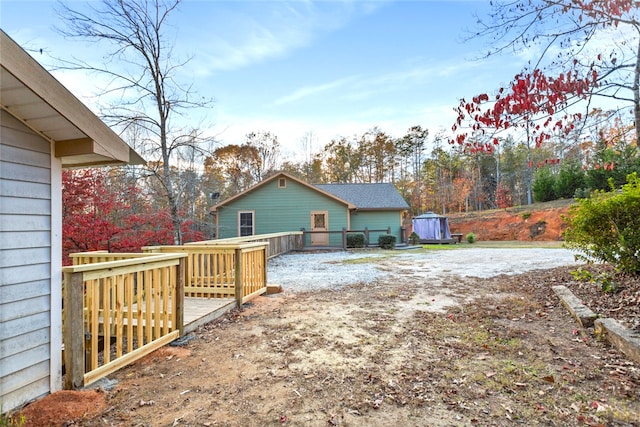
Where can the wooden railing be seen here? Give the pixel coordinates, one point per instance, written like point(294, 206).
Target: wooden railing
point(338, 238)
point(118, 308)
point(222, 271)
point(279, 243)
point(80, 258)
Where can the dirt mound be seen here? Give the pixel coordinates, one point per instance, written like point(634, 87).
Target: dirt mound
point(62, 408)
point(534, 224)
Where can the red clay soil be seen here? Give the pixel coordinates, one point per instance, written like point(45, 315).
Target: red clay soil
point(63, 408)
point(522, 225)
point(69, 407)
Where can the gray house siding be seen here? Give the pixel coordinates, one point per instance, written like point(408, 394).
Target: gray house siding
point(25, 264)
point(281, 209)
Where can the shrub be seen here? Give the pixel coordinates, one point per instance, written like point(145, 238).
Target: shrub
point(387, 241)
point(471, 238)
point(414, 239)
point(570, 178)
point(356, 240)
point(544, 185)
point(606, 227)
point(582, 193)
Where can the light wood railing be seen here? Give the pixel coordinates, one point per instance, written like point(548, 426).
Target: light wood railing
point(118, 308)
point(279, 243)
point(222, 271)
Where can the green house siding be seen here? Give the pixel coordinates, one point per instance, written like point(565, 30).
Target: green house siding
point(281, 209)
point(377, 220)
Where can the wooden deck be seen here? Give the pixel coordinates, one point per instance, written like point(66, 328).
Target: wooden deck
point(200, 311)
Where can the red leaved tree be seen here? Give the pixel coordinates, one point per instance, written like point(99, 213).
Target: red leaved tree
point(99, 216)
point(598, 40)
point(534, 103)
point(542, 102)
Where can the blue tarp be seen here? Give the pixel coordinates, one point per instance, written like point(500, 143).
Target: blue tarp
point(431, 226)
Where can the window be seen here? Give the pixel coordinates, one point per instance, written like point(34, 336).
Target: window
point(319, 220)
point(282, 183)
point(245, 223)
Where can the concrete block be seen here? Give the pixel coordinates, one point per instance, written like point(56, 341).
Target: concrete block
point(583, 314)
point(624, 339)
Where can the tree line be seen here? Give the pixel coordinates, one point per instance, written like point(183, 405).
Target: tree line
point(123, 207)
point(536, 137)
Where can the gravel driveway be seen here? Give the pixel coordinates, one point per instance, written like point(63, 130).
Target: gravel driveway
point(300, 272)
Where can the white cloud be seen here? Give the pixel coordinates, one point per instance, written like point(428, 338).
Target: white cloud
point(265, 30)
point(308, 91)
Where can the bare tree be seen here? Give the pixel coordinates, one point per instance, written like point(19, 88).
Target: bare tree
point(597, 38)
point(268, 149)
point(142, 75)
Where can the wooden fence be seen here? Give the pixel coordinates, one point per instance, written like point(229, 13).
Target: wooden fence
point(221, 271)
point(279, 243)
point(118, 308)
point(338, 238)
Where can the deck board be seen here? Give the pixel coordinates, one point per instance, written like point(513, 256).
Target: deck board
point(200, 311)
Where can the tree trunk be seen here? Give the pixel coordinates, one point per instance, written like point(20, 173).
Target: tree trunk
point(636, 95)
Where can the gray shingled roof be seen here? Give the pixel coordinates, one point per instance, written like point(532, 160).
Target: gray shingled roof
point(367, 196)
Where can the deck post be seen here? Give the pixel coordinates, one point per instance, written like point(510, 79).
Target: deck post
point(238, 282)
point(344, 238)
point(74, 333)
point(180, 284)
point(265, 260)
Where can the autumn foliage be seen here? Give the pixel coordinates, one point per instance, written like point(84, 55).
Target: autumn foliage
point(531, 102)
point(96, 216)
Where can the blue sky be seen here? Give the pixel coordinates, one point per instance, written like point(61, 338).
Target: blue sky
point(333, 68)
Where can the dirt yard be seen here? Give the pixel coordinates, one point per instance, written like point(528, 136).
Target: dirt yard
point(407, 350)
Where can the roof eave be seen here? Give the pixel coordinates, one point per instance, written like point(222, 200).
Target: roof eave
point(99, 145)
point(272, 178)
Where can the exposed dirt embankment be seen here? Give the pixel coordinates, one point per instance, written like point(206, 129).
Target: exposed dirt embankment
point(536, 222)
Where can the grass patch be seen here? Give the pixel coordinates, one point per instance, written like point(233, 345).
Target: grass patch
point(367, 260)
point(496, 244)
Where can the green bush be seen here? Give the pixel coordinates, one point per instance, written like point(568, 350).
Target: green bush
point(414, 239)
point(582, 193)
point(570, 178)
point(387, 241)
point(606, 227)
point(544, 185)
point(356, 240)
point(471, 238)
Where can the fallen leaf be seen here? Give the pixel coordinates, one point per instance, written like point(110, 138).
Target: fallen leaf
point(377, 403)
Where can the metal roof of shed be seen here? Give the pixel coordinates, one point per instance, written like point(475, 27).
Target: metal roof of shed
point(429, 215)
